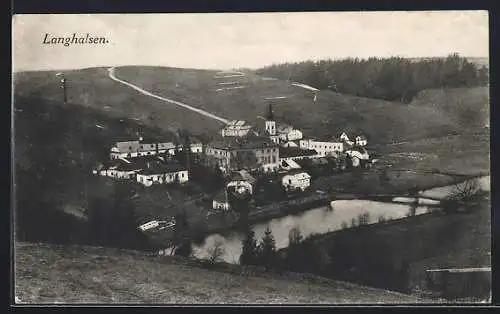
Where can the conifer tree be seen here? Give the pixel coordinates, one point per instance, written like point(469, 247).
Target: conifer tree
point(267, 250)
point(250, 249)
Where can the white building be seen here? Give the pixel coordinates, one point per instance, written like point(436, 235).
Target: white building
point(287, 133)
point(220, 201)
point(298, 180)
point(321, 147)
point(237, 128)
point(360, 141)
point(162, 174)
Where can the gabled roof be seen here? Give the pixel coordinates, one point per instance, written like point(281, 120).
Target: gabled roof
point(247, 142)
point(299, 174)
point(221, 196)
point(243, 175)
point(158, 168)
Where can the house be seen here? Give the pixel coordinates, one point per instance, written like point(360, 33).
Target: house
point(237, 128)
point(323, 148)
point(242, 182)
point(220, 201)
point(295, 153)
point(158, 173)
point(360, 141)
point(296, 180)
point(287, 133)
point(120, 169)
point(237, 153)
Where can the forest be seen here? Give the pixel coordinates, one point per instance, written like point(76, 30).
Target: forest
point(394, 79)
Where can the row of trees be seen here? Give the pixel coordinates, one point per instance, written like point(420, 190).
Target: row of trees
point(394, 79)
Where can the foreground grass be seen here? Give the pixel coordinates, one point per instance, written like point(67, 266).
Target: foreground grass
point(56, 274)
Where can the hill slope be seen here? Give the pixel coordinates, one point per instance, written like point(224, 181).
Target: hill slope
point(49, 274)
point(246, 96)
point(329, 115)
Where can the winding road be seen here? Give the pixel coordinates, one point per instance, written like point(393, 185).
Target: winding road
point(111, 73)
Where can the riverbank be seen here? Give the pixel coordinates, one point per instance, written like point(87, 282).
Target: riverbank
point(225, 224)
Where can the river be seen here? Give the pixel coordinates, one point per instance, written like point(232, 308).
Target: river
point(322, 220)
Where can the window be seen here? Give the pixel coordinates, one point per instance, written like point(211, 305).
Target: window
point(130, 148)
point(182, 174)
point(289, 181)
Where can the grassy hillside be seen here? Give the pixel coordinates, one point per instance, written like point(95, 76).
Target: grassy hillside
point(93, 88)
point(54, 274)
point(431, 114)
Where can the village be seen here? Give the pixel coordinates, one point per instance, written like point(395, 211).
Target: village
point(250, 159)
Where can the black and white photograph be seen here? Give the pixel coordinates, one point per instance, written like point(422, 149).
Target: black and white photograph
point(333, 158)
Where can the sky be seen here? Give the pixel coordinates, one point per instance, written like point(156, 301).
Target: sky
point(244, 40)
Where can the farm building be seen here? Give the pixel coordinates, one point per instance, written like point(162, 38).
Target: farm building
point(296, 180)
point(158, 173)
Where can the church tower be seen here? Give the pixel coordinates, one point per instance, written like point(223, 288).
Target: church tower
point(271, 125)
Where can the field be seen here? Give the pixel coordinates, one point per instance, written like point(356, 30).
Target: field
point(331, 114)
point(52, 274)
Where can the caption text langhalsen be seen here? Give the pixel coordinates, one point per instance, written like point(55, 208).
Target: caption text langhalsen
point(66, 41)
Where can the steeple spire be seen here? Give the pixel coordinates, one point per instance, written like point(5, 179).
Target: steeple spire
point(270, 115)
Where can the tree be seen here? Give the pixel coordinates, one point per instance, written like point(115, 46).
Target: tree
point(267, 250)
point(216, 252)
point(465, 190)
point(249, 252)
point(184, 249)
point(294, 259)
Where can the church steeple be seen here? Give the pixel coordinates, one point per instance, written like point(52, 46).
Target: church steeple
point(270, 115)
point(271, 124)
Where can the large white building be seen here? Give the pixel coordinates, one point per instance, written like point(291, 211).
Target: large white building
point(323, 148)
point(296, 180)
point(138, 148)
